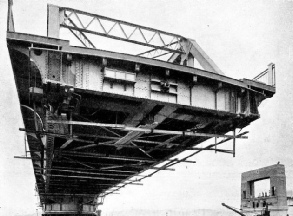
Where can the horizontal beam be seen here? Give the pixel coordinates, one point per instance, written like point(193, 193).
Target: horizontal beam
point(166, 142)
point(146, 130)
point(160, 168)
point(66, 194)
point(86, 177)
point(95, 186)
point(114, 138)
point(29, 158)
point(102, 156)
point(24, 157)
point(73, 181)
point(208, 147)
point(186, 161)
point(125, 183)
point(84, 27)
point(120, 165)
point(120, 21)
point(68, 181)
point(211, 149)
point(82, 172)
point(82, 187)
point(118, 126)
point(119, 38)
point(78, 162)
point(98, 170)
point(124, 165)
point(68, 136)
point(92, 164)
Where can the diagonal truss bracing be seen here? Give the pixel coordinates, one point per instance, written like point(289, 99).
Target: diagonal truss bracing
point(81, 23)
point(89, 29)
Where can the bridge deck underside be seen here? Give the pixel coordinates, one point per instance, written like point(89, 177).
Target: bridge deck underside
point(92, 159)
point(88, 155)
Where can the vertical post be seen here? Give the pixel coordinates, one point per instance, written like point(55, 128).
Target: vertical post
point(190, 95)
point(29, 75)
point(216, 100)
point(70, 126)
point(219, 86)
point(190, 60)
point(234, 141)
point(247, 111)
point(193, 82)
point(53, 21)
point(61, 69)
point(271, 74)
point(25, 144)
point(10, 21)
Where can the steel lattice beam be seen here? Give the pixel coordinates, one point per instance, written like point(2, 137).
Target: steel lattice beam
point(129, 32)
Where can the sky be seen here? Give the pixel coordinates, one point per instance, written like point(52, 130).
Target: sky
point(242, 38)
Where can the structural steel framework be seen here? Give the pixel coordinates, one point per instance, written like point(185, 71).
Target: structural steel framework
point(96, 121)
point(82, 24)
point(170, 43)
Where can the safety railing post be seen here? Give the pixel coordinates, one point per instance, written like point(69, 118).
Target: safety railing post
point(271, 74)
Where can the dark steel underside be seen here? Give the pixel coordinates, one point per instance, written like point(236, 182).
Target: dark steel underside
point(90, 163)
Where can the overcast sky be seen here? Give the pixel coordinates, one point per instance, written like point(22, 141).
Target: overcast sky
point(242, 37)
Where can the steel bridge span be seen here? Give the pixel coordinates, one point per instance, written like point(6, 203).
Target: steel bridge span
point(96, 120)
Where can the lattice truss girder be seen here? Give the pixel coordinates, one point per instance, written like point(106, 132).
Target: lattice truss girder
point(80, 23)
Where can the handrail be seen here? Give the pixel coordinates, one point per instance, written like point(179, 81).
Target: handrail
point(267, 76)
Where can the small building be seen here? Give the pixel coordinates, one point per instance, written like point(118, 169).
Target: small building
point(254, 200)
